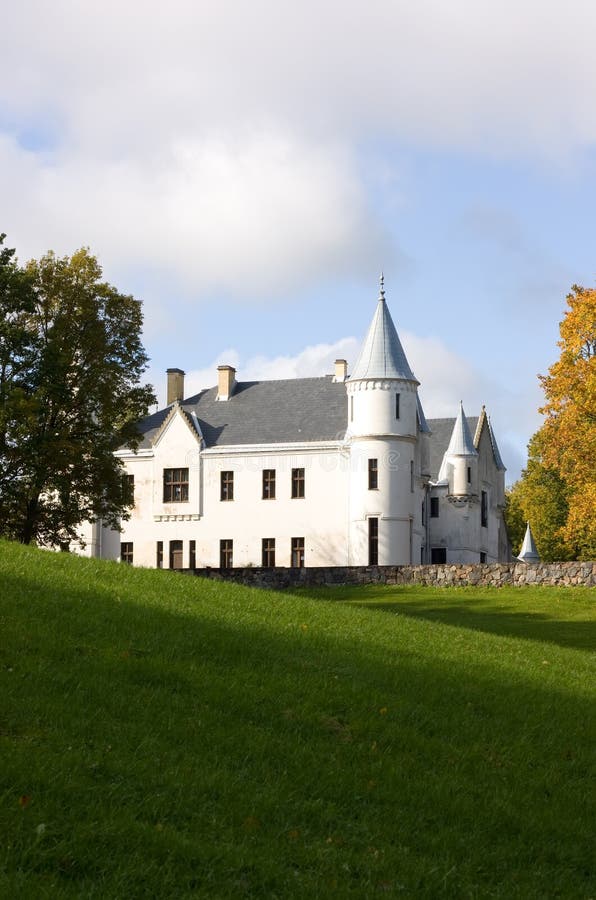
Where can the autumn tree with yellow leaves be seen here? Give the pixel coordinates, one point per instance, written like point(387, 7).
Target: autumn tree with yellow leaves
point(557, 491)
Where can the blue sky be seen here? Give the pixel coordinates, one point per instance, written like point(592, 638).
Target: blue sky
point(248, 169)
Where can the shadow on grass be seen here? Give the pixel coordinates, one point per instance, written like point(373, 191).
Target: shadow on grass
point(468, 612)
point(277, 762)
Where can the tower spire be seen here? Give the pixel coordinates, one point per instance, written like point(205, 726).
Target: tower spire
point(382, 354)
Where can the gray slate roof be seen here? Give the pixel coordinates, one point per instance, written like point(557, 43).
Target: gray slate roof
point(279, 412)
point(382, 354)
point(264, 412)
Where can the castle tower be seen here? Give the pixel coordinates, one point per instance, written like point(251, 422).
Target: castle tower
point(383, 428)
point(460, 462)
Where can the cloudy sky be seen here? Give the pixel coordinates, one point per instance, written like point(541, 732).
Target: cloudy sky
point(247, 170)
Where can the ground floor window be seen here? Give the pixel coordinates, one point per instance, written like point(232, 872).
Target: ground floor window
point(268, 552)
point(298, 553)
point(438, 555)
point(175, 554)
point(482, 556)
point(159, 555)
point(226, 554)
point(192, 554)
point(126, 553)
point(373, 542)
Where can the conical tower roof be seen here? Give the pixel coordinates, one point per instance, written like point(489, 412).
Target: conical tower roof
point(461, 443)
point(382, 354)
point(528, 552)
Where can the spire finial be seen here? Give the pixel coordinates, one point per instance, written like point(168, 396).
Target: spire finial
point(382, 287)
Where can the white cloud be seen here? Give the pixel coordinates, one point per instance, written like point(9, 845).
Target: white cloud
point(219, 143)
point(249, 217)
point(502, 77)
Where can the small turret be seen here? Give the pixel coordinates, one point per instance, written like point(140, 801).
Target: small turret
point(460, 462)
point(528, 552)
point(382, 387)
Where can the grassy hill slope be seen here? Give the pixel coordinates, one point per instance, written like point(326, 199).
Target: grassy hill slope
point(164, 736)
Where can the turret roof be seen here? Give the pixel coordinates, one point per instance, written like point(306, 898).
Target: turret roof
point(461, 443)
point(528, 552)
point(382, 355)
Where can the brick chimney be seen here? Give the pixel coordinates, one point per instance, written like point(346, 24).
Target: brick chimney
point(226, 380)
point(175, 385)
point(341, 370)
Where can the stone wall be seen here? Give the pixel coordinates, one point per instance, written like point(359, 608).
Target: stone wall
point(490, 575)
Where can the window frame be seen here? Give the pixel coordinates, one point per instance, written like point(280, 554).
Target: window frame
point(484, 509)
point(178, 480)
point(128, 489)
point(127, 552)
point(268, 553)
point(373, 541)
point(297, 553)
point(298, 483)
point(159, 555)
point(434, 507)
point(373, 474)
point(397, 406)
point(226, 553)
point(226, 485)
point(268, 484)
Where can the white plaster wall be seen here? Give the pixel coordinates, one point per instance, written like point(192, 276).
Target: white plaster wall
point(393, 502)
point(320, 517)
point(371, 408)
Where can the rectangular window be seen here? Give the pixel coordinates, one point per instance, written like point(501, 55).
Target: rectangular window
point(297, 484)
point(484, 509)
point(298, 553)
point(126, 552)
point(373, 542)
point(226, 486)
point(397, 406)
point(175, 554)
point(192, 554)
point(411, 476)
point(159, 555)
point(128, 489)
point(482, 556)
point(268, 560)
point(226, 554)
point(268, 484)
point(373, 474)
point(175, 485)
point(438, 555)
point(434, 507)
point(469, 474)
point(423, 514)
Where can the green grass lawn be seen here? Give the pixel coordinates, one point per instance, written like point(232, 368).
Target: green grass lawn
point(163, 736)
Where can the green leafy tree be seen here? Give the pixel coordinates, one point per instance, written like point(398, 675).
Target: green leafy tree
point(70, 395)
point(557, 490)
point(569, 431)
point(540, 497)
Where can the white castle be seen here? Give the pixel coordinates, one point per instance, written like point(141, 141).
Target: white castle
point(333, 471)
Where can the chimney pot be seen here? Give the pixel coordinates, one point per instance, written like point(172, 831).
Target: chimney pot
point(175, 385)
point(341, 370)
point(226, 380)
